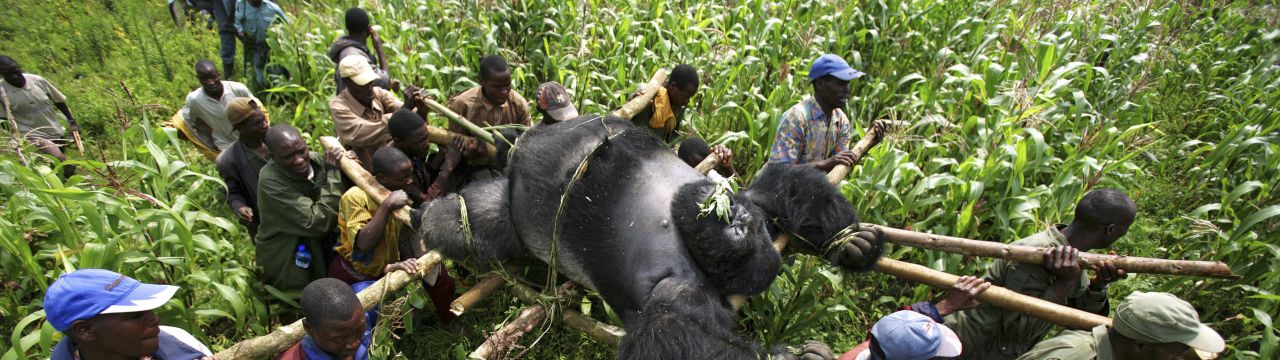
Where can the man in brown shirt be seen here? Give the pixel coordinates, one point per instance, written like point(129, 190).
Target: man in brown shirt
point(360, 112)
point(493, 103)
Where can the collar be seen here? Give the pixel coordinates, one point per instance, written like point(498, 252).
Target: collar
point(483, 100)
point(314, 352)
point(1055, 233)
point(1104, 343)
point(356, 106)
point(225, 91)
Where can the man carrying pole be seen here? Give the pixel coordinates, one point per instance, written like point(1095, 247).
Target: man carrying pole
point(1101, 217)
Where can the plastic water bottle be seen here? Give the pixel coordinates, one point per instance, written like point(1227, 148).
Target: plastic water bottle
point(302, 258)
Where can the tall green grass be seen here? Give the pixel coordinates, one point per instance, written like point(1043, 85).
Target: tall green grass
point(1008, 112)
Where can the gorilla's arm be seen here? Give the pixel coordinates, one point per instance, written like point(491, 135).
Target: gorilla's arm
point(802, 202)
point(491, 238)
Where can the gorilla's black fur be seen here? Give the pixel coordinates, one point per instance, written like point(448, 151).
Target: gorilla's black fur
point(609, 206)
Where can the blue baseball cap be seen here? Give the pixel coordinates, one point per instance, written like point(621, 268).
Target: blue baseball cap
point(85, 293)
point(832, 64)
point(909, 335)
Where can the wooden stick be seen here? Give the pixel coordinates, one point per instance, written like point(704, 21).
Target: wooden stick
point(874, 134)
point(648, 90)
point(444, 137)
point(506, 337)
point(1035, 255)
point(363, 178)
point(457, 119)
point(997, 296)
point(478, 292)
point(13, 128)
point(282, 338)
point(709, 163)
point(75, 136)
point(608, 334)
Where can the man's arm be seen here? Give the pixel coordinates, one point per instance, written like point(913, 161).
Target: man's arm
point(236, 197)
point(239, 21)
point(298, 214)
point(451, 159)
point(370, 233)
point(354, 130)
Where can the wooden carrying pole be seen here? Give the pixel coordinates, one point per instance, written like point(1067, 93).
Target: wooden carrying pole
point(1035, 255)
point(444, 137)
point(475, 130)
point(708, 163)
point(283, 337)
point(476, 293)
point(648, 90)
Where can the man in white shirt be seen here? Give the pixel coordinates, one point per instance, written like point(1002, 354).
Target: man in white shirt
point(206, 108)
point(34, 104)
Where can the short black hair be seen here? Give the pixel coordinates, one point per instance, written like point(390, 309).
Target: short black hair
point(357, 21)
point(386, 159)
point(1101, 207)
point(205, 65)
point(692, 150)
point(404, 122)
point(683, 76)
point(328, 300)
point(492, 64)
point(279, 133)
point(8, 64)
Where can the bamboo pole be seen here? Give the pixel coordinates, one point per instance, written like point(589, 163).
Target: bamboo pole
point(13, 128)
point(283, 337)
point(506, 337)
point(1035, 255)
point(874, 134)
point(457, 119)
point(608, 334)
point(476, 293)
point(996, 296)
point(444, 137)
point(648, 90)
point(363, 178)
point(709, 163)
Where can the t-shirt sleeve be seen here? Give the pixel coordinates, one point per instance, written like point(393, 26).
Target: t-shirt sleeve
point(844, 134)
point(54, 95)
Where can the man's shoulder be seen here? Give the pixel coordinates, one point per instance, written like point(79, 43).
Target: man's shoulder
point(33, 78)
point(1039, 239)
point(355, 195)
point(238, 88)
point(518, 99)
point(467, 96)
point(1068, 345)
point(228, 156)
point(194, 95)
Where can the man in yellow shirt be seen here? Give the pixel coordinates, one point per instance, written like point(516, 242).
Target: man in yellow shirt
point(370, 238)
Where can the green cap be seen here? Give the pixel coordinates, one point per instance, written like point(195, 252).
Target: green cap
point(1158, 318)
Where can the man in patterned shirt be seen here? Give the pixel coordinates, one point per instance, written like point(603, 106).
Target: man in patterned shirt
point(816, 131)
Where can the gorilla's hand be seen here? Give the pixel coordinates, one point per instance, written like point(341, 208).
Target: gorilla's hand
point(861, 250)
point(816, 350)
point(811, 350)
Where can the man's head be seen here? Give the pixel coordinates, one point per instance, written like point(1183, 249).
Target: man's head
point(409, 132)
point(682, 85)
point(209, 78)
point(12, 72)
point(495, 79)
point(107, 313)
point(247, 118)
point(910, 335)
point(357, 22)
point(358, 77)
point(555, 103)
point(693, 150)
point(1160, 326)
point(392, 168)
point(287, 149)
point(830, 76)
point(1103, 216)
point(332, 316)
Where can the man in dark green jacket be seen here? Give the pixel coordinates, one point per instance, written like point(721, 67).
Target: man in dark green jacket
point(298, 193)
point(992, 333)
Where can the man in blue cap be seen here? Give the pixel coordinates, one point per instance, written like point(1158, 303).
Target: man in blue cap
point(105, 315)
point(907, 335)
point(816, 132)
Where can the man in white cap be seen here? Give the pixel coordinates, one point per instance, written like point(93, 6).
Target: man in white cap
point(360, 112)
point(1146, 326)
point(105, 315)
point(908, 335)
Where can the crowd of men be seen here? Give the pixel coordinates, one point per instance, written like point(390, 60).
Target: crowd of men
point(315, 233)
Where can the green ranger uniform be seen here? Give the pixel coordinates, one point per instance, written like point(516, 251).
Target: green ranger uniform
point(1147, 318)
point(1074, 345)
point(992, 333)
point(296, 211)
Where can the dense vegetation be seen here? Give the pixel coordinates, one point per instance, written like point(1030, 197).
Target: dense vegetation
point(1008, 112)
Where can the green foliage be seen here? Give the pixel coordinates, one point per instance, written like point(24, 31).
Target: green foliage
point(1006, 113)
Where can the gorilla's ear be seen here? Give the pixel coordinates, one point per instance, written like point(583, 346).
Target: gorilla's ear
point(801, 201)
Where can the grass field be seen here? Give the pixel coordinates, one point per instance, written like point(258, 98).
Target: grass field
point(1009, 112)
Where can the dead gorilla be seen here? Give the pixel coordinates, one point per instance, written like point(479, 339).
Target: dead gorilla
point(629, 229)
